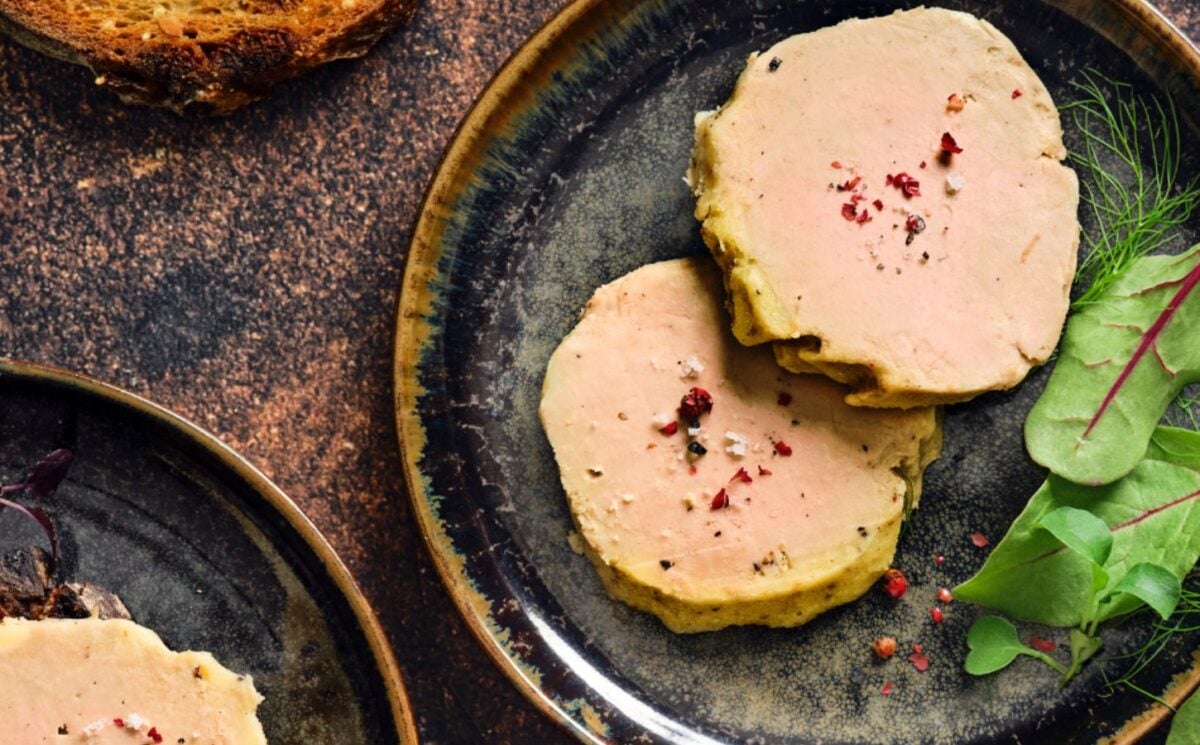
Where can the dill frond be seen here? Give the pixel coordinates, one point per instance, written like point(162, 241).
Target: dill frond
point(1185, 620)
point(1136, 209)
point(1189, 402)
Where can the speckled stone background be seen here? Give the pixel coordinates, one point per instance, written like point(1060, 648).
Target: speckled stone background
point(243, 272)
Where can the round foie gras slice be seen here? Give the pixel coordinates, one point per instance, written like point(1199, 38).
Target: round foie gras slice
point(772, 505)
point(854, 234)
point(112, 682)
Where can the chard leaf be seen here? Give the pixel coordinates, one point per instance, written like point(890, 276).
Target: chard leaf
point(1185, 725)
point(994, 645)
point(1080, 531)
point(1123, 361)
point(1154, 585)
point(1175, 445)
point(1153, 515)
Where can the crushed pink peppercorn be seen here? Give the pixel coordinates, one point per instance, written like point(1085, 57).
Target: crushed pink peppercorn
point(720, 501)
point(741, 476)
point(919, 659)
point(695, 402)
point(895, 584)
point(1042, 645)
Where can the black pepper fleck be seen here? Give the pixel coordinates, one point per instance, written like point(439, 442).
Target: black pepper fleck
point(696, 448)
point(717, 534)
point(774, 64)
point(62, 730)
point(666, 564)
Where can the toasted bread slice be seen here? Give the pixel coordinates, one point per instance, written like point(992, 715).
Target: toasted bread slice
point(210, 56)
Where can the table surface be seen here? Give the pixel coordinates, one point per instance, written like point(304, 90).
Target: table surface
point(243, 272)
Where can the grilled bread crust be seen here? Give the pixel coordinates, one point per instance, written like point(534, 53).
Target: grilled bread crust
point(202, 56)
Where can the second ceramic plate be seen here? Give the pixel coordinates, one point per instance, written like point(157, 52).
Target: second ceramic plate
point(205, 551)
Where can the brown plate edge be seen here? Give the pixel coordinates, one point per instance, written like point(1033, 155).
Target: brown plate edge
point(491, 111)
point(381, 649)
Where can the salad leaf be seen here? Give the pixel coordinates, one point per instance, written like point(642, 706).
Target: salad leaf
point(1185, 725)
point(1123, 360)
point(1154, 585)
point(1152, 515)
point(1175, 445)
point(994, 645)
point(1080, 531)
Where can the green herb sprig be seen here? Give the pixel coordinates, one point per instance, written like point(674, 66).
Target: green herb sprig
point(1136, 209)
point(993, 640)
point(1185, 620)
point(1189, 402)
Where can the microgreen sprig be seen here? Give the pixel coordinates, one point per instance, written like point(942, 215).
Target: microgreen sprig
point(993, 640)
point(43, 480)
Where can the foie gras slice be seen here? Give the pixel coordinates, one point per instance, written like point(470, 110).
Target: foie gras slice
point(110, 682)
point(916, 298)
point(783, 502)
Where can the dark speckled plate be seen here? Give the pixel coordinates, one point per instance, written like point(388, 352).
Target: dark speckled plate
point(566, 175)
point(205, 551)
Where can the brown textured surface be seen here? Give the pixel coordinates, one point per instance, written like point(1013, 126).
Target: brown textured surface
point(243, 272)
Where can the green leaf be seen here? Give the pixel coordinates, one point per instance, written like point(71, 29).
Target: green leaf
point(1154, 585)
point(1175, 445)
point(994, 645)
point(1123, 360)
point(1080, 531)
point(1153, 515)
point(1185, 725)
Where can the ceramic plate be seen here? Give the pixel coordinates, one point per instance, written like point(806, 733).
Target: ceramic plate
point(205, 551)
point(568, 174)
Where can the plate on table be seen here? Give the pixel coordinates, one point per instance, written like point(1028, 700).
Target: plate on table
point(205, 551)
point(567, 174)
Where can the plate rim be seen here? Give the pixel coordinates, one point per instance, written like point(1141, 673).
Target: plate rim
point(491, 111)
point(126, 401)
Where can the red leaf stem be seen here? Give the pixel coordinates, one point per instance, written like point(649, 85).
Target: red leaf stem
point(1148, 340)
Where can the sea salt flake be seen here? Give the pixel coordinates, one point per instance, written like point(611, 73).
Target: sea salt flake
point(737, 446)
point(93, 729)
point(691, 367)
point(955, 182)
